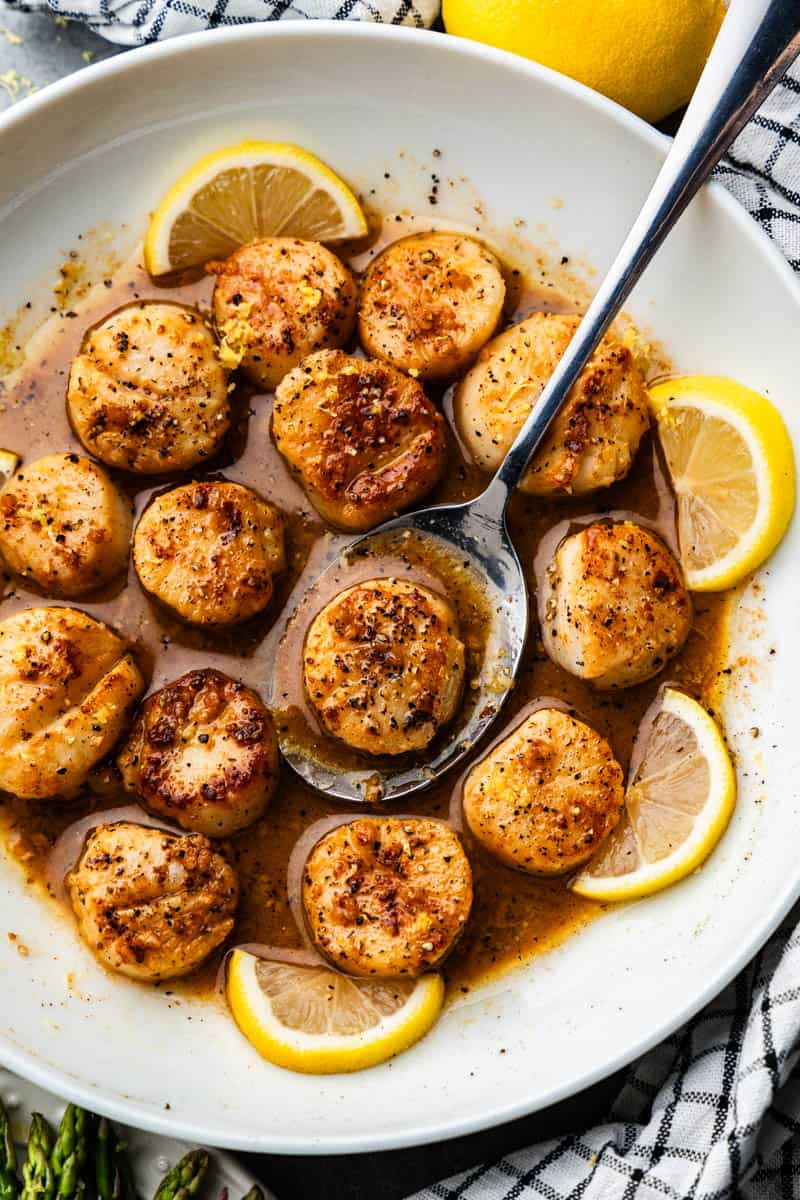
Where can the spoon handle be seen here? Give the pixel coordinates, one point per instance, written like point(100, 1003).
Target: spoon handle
point(755, 46)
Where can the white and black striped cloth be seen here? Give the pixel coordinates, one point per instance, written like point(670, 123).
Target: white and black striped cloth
point(713, 1113)
point(139, 22)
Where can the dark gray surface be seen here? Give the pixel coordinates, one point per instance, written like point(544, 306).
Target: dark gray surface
point(47, 52)
point(397, 1173)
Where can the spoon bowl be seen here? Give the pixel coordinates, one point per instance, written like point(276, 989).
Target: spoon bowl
point(470, 535)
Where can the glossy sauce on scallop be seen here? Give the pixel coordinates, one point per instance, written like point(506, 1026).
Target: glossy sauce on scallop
point(513, 915)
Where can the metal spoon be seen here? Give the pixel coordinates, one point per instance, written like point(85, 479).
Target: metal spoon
point(758, 41)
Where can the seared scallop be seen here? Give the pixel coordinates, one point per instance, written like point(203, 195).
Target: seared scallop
point(429, 303)
point(615, 607)
point(68, 686)
point(64, 525)
point(278, 300)
point(203, 753)
point(148, 392)
point(383, 665)
point(546, 795)
point(363, 438)
point(150, 904)
point(387, 895)
point(593, 440)
point(209, 551)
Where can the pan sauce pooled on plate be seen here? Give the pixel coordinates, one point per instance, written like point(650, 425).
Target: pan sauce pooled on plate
point(156, 389)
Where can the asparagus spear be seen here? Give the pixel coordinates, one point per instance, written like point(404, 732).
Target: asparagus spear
point(185, 1177)
point(38, 1179)
point(9, 1184)
point(70, 1155)
point(113, 1175)
point(125, 1188)
point(255, 1193)
point(65, 1140)
point(104, 1167)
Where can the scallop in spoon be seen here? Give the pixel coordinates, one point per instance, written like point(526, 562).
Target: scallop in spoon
point(757, 42)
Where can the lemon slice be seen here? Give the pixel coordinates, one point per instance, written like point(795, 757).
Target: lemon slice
point(314, 1020)
point(732, 468)
point(244, 192)
point(676, 807)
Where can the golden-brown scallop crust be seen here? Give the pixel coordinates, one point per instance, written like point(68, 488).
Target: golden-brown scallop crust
point(64, 525)
point(147, 392)
point(210, 551)
point(545, 797)
point(387, 896)
point(429, 302)
point(277, 300)
point(364, 439)
point(593, 440)
point(151, 904)
point(615, 605)
point(203, 752)
point(383, 665)
point(68, 687)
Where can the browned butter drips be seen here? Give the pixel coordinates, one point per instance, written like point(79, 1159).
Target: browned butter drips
point(514, 916)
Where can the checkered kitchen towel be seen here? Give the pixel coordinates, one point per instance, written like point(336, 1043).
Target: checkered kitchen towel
point(138, 22)
point(713, 1112)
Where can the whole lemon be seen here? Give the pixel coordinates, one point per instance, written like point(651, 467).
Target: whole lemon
point(645, 54)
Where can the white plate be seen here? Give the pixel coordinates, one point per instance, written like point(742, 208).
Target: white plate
point(101, 146)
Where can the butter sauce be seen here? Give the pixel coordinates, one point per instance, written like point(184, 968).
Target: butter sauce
point(514, 915)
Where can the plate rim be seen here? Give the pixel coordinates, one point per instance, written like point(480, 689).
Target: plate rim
point(130, 1112)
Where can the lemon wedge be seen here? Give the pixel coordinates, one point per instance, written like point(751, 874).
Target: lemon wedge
point(244, 192)
point(314, 1020)
point(730, 459)
point(677, 806)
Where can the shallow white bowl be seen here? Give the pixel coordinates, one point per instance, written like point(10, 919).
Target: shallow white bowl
point(100, 148)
